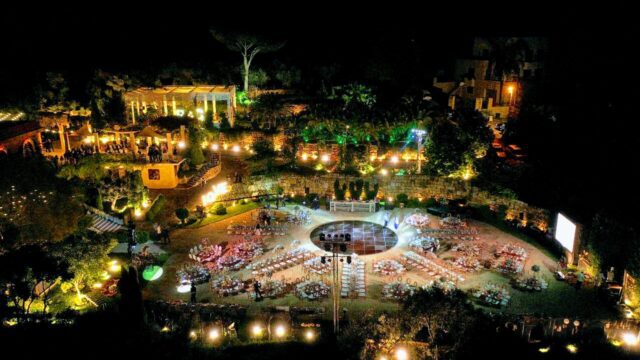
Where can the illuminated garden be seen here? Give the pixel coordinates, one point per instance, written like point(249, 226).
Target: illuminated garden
point(280, 201)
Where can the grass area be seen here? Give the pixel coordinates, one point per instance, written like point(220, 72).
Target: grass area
point(231, 211)
point(480, 214)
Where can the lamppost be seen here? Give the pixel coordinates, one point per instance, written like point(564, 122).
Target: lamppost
point(336, 245)
point(419, 135)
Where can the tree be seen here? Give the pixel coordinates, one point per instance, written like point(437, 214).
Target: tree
point(259, 77)
point(444, 316)
point(87, 256)
point(263, 149)
point(29, 273)
point(248, 46)
point(182, 214)
point(195, 154)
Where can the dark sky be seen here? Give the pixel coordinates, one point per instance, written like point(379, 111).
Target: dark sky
point(119, 37)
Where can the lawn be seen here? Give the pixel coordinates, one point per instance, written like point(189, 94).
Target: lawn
point(231, 211)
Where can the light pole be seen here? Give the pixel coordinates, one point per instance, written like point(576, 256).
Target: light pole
point(419, 135)
point(336, 247)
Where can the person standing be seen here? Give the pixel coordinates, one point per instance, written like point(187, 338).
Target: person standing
point(386, 219)
point(256, 289)
point(194, 292)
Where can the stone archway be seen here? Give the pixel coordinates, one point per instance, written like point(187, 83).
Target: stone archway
point(28, 148)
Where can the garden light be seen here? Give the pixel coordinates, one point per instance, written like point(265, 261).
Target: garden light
point(115, 267)
point(384, 172)
point(394, 159)
point(214, 334)
point(402, 354)
point(572, 348)
point(215, 147)
point(193, 335)
point(325, 158)
point(630, 339)
point(137, 213)
point(236, 148)
point(181, 145)
point(305, 157)
point(256, 330)
point(309, 335)
point(280, 331)
point(544, 350)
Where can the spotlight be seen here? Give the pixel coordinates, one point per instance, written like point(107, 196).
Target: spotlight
point(256, 330)
point(348, 259)
point(347, 237)
point(214, 334)
point(309, 335)
point(327, 247)
point(401, 354)
point(323, 259)
point(343, 247)
point(322, 237)
point(630, 339)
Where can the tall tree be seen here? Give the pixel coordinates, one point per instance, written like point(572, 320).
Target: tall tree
point(248, 46)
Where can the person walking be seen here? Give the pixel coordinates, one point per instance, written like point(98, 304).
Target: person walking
point(386, 219)
point(194, 292)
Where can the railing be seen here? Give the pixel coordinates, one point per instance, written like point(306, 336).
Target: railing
point(352, 206)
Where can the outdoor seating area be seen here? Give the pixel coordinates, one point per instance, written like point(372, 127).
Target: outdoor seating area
point(426, 266)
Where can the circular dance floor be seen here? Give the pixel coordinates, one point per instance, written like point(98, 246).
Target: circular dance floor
point(366, 237)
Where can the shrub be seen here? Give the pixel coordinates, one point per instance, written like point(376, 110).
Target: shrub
point(156, 207)
point(142, 237)
point(219, 209)
point(402, 198)
point(182, 214)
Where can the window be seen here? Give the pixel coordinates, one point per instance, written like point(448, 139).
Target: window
point(154, 174)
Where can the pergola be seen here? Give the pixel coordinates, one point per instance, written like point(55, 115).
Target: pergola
point(175, 99)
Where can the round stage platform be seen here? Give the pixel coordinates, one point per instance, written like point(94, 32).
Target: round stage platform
point(366, 237)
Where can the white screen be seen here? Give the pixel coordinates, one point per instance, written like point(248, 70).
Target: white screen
point(565, 232)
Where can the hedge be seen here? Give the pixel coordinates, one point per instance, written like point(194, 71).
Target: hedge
point(156, 207)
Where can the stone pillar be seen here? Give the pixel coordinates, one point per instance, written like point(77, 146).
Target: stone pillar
point(63, 145)
point(169, 145)
point(452, 102)
point(173, 104)
point(138, 106)
point(489, 103)
point(478, 106)
point(133, 113)
point(39, 140)
point(132, 141)
point(231, 113)
point(215, 111)
point(117, 137)
point(96, 138)
point(206, 104)
point(183, 134)
point(68, 142)
point(165, 106)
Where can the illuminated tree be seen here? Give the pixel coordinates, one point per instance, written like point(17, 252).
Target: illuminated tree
point(88, 258)
point(248, 46)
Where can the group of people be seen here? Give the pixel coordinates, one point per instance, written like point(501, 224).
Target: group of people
point(73, 156)
point(115, 148)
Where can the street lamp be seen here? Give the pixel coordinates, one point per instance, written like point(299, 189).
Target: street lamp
point(336, 247)
point(419, 135)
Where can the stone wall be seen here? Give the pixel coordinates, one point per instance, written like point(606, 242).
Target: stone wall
point(414, 186)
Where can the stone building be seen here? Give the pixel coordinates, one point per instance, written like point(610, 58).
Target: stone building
point(20, 136)
point(494, 78)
